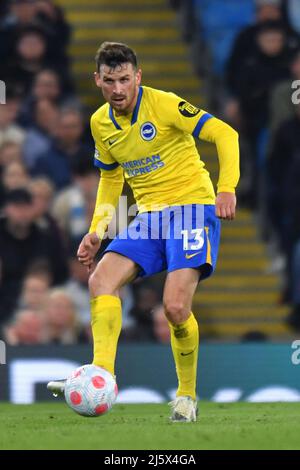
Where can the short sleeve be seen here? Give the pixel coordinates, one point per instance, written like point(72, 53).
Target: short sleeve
point(183, 115)
point(102, 157)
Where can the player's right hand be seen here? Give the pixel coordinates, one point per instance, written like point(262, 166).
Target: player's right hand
point(88, 248)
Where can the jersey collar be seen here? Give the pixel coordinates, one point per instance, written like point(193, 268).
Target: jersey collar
point(134, 114)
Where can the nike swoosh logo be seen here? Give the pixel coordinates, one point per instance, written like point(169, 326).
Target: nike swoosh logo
point(192, 255)
point(187, 354)
point(112, 141)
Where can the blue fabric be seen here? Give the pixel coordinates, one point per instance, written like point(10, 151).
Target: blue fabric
point(134, 114)
point(201, 123)
point(220, 22)
point(154, 240)
point(105, 166)
point(55, 165)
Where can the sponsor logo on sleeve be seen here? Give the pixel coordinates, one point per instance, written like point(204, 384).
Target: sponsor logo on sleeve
point(187, 109)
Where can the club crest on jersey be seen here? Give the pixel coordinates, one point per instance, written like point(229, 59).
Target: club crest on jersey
point(187, 109)
point(148, 131)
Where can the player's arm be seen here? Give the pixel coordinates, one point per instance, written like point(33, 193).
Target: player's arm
point(203, 125)
point(109, 190)
point(226, 140)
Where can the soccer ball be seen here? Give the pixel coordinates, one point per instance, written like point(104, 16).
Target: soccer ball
point(91, 390)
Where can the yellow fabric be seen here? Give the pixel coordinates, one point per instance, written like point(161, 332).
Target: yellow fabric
point(164, 169)
point(208, 250)
point(106, 313)
point(109, 190)
point(185, 345)
point(226, 140)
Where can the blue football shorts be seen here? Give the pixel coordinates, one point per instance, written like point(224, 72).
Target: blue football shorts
point(174, 238)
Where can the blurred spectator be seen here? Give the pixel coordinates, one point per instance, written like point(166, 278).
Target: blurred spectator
point(51, 17)
point(71, 206)
point(77, 289)
point(260, 73)
point(20, 13)
point(60, 318)
point(257, 77)
point(35, 288)
point(246, 46)
point(220, 22)
point(161, 327)
point(46, 86)
point(281, 104)
point(21, 243)
point(67, 151)
point(146, 299)
point(9, 130)
point(283, 171)
point(29, 58)
point(42, 192)
point(9, 152)
point(40, 136)
point(14, 176)
point(26, 329)
point(39, 13)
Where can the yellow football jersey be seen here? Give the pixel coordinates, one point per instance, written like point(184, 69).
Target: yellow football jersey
point(155, 147)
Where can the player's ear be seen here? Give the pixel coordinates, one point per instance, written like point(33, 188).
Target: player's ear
point(138, 76)
point(97, 79)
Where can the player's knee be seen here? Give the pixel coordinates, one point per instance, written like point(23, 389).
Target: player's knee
point(176, 312)
point(99, 285)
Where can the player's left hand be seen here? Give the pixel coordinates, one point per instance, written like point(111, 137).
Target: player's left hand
point(225, 206)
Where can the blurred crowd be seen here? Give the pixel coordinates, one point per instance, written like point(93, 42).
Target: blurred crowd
point(248, 53)
point(48, 187)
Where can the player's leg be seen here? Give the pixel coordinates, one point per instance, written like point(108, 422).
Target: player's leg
point(191, 256)
point(111, 273)
point(179, 289)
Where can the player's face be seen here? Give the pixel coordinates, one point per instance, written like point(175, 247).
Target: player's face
point(119, 86)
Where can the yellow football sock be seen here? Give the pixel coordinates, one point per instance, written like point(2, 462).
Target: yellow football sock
point(185, 344)
point(106, 314)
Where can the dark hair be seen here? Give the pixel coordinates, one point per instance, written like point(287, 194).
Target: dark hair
point(18, 196)
point(31, 29)
point(271, 26)
point(113, 54)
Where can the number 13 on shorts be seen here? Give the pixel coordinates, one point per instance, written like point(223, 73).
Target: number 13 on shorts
point(193, 239)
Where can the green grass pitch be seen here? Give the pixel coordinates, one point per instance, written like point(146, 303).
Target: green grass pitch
point(131, 427)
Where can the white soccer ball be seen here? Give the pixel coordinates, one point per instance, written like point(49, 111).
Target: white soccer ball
point(91, 390)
